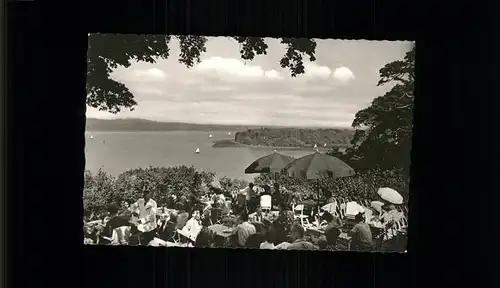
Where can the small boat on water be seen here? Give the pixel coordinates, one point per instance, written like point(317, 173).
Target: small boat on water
point(229, 134)
point(91, 136)
point(210, 136)
point(315, 146)
point(197, 151)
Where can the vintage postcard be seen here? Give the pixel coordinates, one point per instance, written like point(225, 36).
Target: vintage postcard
point(256, 143)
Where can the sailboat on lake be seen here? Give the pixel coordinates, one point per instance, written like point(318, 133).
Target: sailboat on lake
point(210, 136)
point(315, 146)
point(229, 134)
point(197, 151)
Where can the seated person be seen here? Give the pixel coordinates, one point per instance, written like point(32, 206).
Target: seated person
point(257, 216)
point(361, 235)
point(332, 229)
point(89, 235)
point(167, 230)
point(299, 241)
point(215, 214)
point(254, 240)
point(204, 239)
point(243, 230)
point(193, 226)
point(206, 218)
point(182, 216)
point(268, 240)
point(239, 209)
point(114, 221)
point(390, 216)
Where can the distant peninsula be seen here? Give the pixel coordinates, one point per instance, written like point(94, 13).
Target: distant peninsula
point(290, 138)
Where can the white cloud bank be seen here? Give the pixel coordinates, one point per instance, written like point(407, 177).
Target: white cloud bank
point(343, 74)
point(235, 67)
point(152, 74)
point(223, 89)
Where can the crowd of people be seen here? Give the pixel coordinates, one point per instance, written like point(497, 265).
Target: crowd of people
point(238, 219)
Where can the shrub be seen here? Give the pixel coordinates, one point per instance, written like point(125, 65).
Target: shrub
point(162, 182)
point(98, 191)
point(102, 189)
point(230, 185)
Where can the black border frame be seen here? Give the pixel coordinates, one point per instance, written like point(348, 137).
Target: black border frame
point(48, 64)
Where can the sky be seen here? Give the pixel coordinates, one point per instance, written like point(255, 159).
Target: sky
point(224, 89)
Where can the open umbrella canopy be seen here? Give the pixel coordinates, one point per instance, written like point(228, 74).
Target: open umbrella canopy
point(390, 195)
point(272, 163)
point(317, 165)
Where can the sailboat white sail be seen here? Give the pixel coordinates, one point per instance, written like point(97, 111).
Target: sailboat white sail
point(197, 151)
point(210, 136)
point(91, 136)
point(229, 134)
point(315, 146)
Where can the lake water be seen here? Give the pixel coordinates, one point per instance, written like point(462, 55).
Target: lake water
point(116, 152)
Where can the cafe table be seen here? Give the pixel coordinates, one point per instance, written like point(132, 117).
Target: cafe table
point(223, 232)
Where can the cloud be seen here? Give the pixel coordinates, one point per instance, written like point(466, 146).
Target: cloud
point(152, 74)
point(273, 74)
point(235, 67)
point(343, 74)
point(314, 70)
point(224, 89)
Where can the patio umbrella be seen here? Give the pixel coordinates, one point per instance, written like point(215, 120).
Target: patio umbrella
point(316, 166)
point(272, 163)
point(390, 195)
point(353, 208)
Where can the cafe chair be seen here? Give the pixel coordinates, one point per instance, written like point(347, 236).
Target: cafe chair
point(175, 238)
point(120, 236)
point(265, 203)
point(299, 214)
point(404, 221)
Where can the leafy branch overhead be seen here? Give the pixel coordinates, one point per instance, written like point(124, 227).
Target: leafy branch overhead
point(108, 51)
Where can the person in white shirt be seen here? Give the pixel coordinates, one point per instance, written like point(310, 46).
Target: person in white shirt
point(145, 208)
point(249, 191)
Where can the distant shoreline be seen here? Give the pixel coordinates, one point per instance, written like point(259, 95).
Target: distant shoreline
point(139, 125)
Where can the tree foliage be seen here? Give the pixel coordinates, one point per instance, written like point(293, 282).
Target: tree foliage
point(98, 191)
point(229, 185)
point(108, 51)
point(102, 189)
point(382, 139)
point(360, 187)
point(295, 137)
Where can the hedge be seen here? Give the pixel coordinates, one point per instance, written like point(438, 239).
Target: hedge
point(102, 188)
